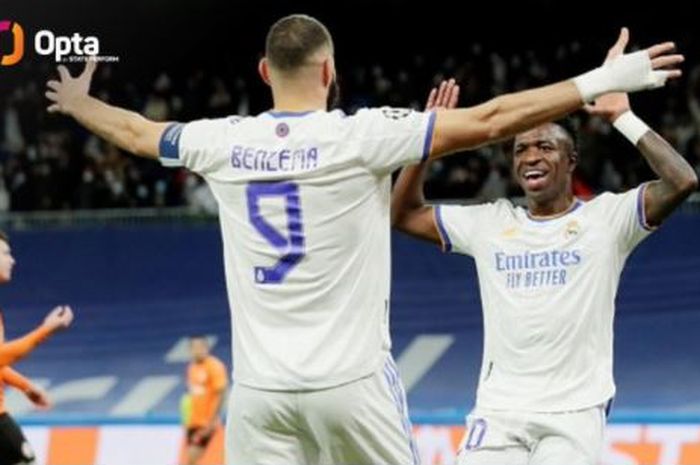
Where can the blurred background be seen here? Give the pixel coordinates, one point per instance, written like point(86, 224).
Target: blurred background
point(136, 249)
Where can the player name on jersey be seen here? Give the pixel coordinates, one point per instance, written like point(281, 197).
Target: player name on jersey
point(258, 159)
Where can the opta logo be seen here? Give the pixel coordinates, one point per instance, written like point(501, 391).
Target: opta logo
point(17, 43)
point(46, 43)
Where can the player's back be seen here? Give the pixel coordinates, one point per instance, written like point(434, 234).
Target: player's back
point(304, 211)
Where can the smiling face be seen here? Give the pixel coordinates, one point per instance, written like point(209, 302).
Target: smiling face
point(543, 162)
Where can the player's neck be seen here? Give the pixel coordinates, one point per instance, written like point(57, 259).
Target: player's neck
point(556, 207)
point(299, 99)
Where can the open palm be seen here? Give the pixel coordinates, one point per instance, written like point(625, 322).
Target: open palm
point(444, 96)
point(611, 106)
point(65, 92)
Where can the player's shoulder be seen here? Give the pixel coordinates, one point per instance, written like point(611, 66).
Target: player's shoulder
point(216, 362)
point(384, 113)
point(207, 128)
point(291, 116)
point(601, 198)
point(501, 211)
point(502, 206)
point(487, 213)
point(230, 120)
point(283, 121)
point(235, 121)
point(606, 199)
point(495, 208)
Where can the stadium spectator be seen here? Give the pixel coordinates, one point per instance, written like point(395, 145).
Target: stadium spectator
point(39, 175)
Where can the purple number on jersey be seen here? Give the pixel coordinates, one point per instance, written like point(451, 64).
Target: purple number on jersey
point(291, 248)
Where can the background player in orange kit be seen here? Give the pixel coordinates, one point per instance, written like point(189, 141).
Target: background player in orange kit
point(14, 448)
point(206, 383)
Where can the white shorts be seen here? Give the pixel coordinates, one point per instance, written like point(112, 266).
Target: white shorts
point(364, 422)
point(527, 438)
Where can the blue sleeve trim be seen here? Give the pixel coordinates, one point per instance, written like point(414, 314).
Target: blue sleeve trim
point(446, 244)
point(641, 212)
point(169, 146)
point(429, 137)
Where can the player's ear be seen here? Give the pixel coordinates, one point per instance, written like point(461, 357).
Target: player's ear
point(264, 70)
point(328, 71)
point(573, 161)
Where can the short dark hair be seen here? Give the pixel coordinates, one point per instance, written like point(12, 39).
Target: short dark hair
point(4, 237)
point(293, 39)
point(569, 126)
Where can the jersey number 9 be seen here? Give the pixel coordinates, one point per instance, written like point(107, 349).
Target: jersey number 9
point(291, 248)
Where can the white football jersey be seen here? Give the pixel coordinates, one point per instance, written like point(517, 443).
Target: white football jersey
point(548, 295)
point(304, 204)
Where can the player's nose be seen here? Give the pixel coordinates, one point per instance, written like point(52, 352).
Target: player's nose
point(531, 156)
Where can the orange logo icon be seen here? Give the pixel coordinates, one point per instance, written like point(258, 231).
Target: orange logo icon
point(17, 43)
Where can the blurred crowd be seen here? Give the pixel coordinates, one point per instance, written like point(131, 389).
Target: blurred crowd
point(48, 162)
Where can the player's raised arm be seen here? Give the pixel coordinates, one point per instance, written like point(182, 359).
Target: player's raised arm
point(509, 114)
point(12, 351)
point(125, 129)
point(34, 393)
point(677, 178)
point(409, 213)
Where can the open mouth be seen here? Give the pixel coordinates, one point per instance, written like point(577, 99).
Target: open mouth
point(534, 178)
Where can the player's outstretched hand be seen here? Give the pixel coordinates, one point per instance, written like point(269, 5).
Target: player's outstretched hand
point(59, 318)
point(65, 93)
point(444, 96)
point(38, 397)
point(645, 69)
point(611, 106)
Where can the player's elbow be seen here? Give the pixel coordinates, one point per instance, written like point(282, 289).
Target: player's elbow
point(468, 128)
point(689, 184)
point(495, 131)
point(414, 221)
point(139, 137)
point(500, 119)
point(405, 225)
point(398, 219)
point(403, 210)
point(139, 147)
point(130, 137)
point(491, 123)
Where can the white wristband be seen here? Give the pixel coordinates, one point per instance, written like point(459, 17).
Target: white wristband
point(631, 126)
point(593, 84)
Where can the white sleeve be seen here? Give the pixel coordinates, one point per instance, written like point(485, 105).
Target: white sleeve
point(200, 146)
point(392, 137)
point(626, 217)
point(460, 227)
